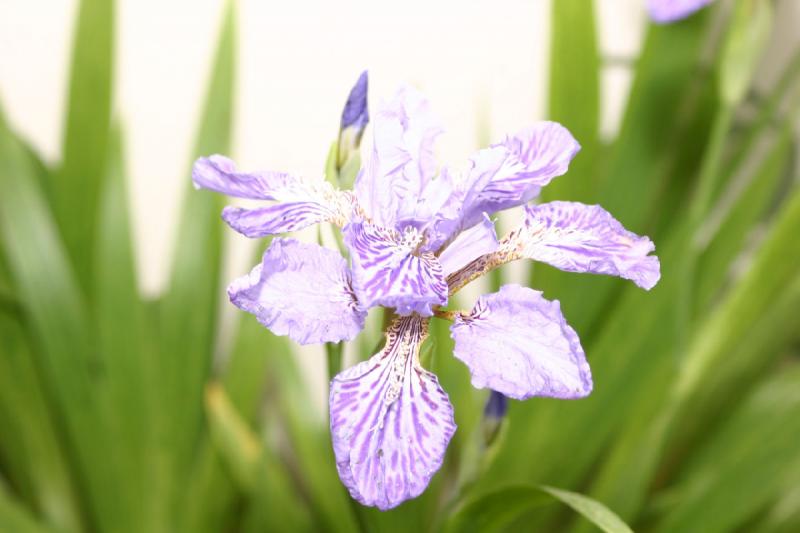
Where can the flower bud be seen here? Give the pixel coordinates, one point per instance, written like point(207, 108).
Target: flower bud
point(355, 117)
point(494, 414)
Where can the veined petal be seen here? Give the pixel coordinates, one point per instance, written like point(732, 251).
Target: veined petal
point(219, 174)
point(663, 11)
point(303, 291)
point(585, 238)
point(389, 270)
point(513, 172)
point(517, 343)
point(469, 245)
point(300, 203)
point(391, 421)
point(402, 161)
point(274, 219)
point(509, 174)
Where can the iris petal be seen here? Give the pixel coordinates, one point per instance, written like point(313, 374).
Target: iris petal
point(518, 343)
point(303, 291)
point(391, 421)
point(585, 238)
point(402, 163)
point(506, 175)
point(663, 11)
point(389, 270)
point(480, 239)
point(300, 203)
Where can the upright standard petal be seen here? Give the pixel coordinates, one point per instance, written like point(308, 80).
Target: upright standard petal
point(510, 173)
point(402, 161)
point(663, 11)
point(469, 245)
point(303, 291)
point(517, 343)
point(299, 203)
point(389, 270)
point(585, 238)
point(391, 421)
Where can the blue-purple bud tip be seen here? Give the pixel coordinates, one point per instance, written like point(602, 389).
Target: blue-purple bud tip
point(355, 113)
point(496, 406)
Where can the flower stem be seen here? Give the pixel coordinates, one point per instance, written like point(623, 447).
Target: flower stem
point(334, 352)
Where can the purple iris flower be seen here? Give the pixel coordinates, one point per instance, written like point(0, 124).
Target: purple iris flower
point(416, 234)
point(665, 11)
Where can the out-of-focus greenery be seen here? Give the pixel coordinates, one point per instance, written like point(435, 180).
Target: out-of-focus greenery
point(113, 417)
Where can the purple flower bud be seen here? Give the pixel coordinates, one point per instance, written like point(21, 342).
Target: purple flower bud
point(355, 113)
point(355, 117)
point(496, 406)
point(494, 414)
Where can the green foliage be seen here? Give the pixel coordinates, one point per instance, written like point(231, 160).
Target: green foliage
point(114, 418)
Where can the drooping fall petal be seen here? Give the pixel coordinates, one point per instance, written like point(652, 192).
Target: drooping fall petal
point(518, 343)
point(303, 291)
point(391, 421)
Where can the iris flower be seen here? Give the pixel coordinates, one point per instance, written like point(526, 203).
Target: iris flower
point(664, 11)
point(416, 234)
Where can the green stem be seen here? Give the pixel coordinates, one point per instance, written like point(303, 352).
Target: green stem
point(334, 352)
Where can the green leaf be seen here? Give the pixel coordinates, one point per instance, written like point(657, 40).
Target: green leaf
point(46, 286)
point(30, 450)
point(15, 517)
point(309, 439)
point(747, 35)
point(745, 465)
point(574, 94)
point(254, 466)
point(496, 511)
point(237, 443)
point(724, 334)
point(735, 227)
point(211, 490)
point(124, 347)
point(189, 309)
point(77, 187)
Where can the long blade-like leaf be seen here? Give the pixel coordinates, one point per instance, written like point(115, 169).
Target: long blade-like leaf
point(498, 510)
point(189, 309)
point(77, 187)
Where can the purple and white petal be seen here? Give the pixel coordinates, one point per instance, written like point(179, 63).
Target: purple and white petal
point(401, 162)
point(391, 421)
point(470, 244)
point(389, 270)
point(303, 291)
point(585, 238)
point(513, 172)
point(664, 11)
point(274, 219)
point(219, 174)
point(510, 173)
point(300, 202)
point(518, 343)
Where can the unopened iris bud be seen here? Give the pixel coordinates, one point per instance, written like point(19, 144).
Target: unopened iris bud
point(493, 416)
point(355, 117)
